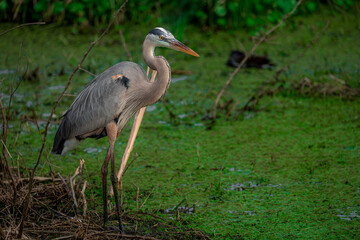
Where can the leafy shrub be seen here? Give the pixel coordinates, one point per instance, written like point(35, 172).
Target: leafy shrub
point(251, 14)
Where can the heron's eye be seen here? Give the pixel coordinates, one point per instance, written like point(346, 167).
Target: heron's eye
point(161, 37)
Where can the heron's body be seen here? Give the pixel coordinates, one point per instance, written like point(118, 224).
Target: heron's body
point(105, 105)
point(115, 95)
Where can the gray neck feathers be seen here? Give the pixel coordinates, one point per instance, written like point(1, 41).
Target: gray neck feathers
point(158, 63)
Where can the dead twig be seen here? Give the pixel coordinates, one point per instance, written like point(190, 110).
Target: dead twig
point(179, 204)
point(52, 218)
point(84, 70)
point(36, 178)
point(32, 173)
point(21, 25)
point(5, 128)
point(221, 172)
point(253, 100)
point(7, 150)
point(79, 169)
point(181, 72)
point(147, 197)
point(53, 210)
point(2, 234)
point(125, 46)
point(198, 155)
point(65, 237)
point(129, 236)
point(247, 55)
point(84, 198)
point(312, 42)
point(132, 161)
point(73, 195)
point(137, 197)
point(67, 190)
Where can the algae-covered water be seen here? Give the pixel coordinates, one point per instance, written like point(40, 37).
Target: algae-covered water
point(288, 170)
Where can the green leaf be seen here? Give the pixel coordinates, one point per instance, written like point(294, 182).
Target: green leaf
point(81, 19)
point(275, 16)
point(233, 7)
point(340, 3)
point(220, 10)
point(268, 1)
point(221, 22)
point(258, 7)
point(75, 7)
point(201, 15)
point(311, 6)
point(286, 5)
point(40, 6)
point(58, 7)
point(250, 22)
point(350, 2)
point(3, 5)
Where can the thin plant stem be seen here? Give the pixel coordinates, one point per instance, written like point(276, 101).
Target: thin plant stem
point(249, 54)
point(32, 173)
point(21, 25)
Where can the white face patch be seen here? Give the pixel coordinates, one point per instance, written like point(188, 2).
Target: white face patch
point(158, 42)
point(160, 36)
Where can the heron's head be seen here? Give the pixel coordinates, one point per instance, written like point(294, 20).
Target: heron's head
point(163, 38)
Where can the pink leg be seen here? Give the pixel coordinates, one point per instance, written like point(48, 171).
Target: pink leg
point(111, 130)
point(134, 130)
point(104, 172)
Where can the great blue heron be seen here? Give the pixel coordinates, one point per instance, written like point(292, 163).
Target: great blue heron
point(106, 104)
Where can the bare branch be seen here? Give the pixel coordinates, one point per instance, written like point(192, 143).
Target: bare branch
point(84, 198)
point(22, 25)
point(2, 234)
point(125, 46)
point(27, 198)
point(198, 156)
point(82, 69)
point(37, 179)
point(250, 104)
point(73, 195)
point(5, 117)
point(4, 149)
point(313, 41)
point(7, 150)
point(261, 40)
point(147, 197)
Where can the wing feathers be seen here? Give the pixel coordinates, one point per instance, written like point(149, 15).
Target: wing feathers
point(102, 100)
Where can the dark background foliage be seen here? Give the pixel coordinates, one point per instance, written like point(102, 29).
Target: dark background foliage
point(251, 14)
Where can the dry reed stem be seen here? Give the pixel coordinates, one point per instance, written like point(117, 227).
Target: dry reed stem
point(27, 199)
point(147, 197)
point(6, 126)
point(21, 25)
point(198, 155)
point(73, 194)
point(84, 198)
point(125, 46)
point(36, 178)
point(84, 70)
point(260, 93)
point(2, 234)
point(249, 54)
point(7, 150)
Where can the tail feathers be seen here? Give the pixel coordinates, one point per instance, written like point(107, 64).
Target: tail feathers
point(58, 147)
point(61, 136)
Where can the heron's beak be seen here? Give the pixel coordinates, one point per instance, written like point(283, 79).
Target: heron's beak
point(179, 46)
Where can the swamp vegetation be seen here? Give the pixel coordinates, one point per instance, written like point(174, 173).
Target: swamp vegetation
point(288, 168)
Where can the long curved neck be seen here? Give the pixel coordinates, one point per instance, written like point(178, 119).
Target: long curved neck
point(158, 63)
